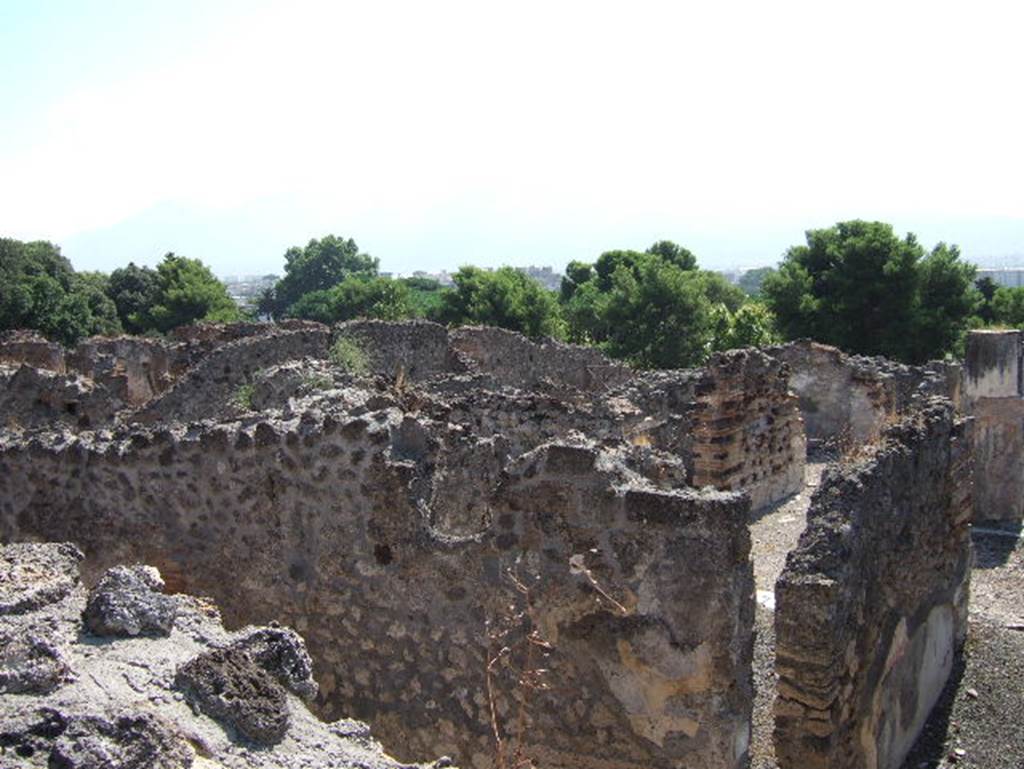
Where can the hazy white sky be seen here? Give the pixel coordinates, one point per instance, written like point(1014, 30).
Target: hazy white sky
point(439, 133)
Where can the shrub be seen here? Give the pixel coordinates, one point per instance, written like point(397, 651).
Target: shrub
point(348, 354)
point(242, 398)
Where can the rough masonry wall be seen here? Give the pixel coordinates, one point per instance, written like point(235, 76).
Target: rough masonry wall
point(847, 400)
point(871, 606)
point(123, 676)
point(749, 434)
point(518, 362)
point(20, 346)
point(133, 369)
point(207, 389)
point(325, 524)
point(413, 350)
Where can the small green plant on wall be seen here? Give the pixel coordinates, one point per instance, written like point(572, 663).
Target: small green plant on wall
point(242, 399)
point(347, 353)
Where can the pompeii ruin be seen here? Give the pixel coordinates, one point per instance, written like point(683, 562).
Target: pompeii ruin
point(439, 510)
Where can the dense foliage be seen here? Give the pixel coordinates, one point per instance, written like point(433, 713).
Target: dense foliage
point(187, 292)
point(504, 297)
point(861, 288)
point(855, 285)
point(357, 296)
point(40, 290)
point(656, 309)
point(134, 290)
point(319, 266)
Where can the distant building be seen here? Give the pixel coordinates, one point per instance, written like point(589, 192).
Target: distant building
point(246, 289)
point(1011, 277)
point(546, 276)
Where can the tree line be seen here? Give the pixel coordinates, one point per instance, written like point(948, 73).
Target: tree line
point(856, 285)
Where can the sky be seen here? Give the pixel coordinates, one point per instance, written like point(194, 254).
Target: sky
point(444, 133)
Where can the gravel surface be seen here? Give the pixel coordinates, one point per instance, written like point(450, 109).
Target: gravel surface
point(978, 722)
point(762, 749)
point(774, 533)
point(997, 583)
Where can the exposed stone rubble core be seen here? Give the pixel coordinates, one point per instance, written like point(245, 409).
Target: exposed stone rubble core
point(339, 542)
point(871, 606)
point(106, 377)
point(126, 702)
point(381, 513)
point(128, 601)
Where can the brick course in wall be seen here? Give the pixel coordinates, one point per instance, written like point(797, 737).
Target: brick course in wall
point(871, 606)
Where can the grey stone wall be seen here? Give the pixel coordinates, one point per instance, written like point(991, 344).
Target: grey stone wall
point(413, 350)
point(748, 434)
point(518, 362)
point(994, 396)
point(20, 346)
point(207, 389)
point(871, 606)
point(123, 676)
point(847, 400)
point(132, 369)
point(327, 525)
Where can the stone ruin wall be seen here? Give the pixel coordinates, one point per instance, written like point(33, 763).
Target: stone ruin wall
point(383, 514)
point(848, 400)
point(517, 362)
point(994, 396)
point(749, 433)
point(872, 605)
point(381, 531)
point(133, 369)
point(124, 676)
point(207, 389)
point(88, 386)
point(324, 526)
point(28, 347)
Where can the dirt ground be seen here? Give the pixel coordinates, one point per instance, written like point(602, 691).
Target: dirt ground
point(978, 722)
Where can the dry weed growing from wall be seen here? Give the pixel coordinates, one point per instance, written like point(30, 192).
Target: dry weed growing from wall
point(515, 640)
point(516, 645)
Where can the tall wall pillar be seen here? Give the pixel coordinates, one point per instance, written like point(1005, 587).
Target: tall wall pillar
point(993, 393)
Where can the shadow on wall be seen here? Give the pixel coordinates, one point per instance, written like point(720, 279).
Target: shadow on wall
point(993, 547)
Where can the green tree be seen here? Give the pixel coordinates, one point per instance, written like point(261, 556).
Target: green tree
point(133, 290)
point(576, 274)
point(40, 290)
point(752, 325)
point(94, 287)
point(674, 254)
point(320, 265)
point(656, 308)
point(947, 299)
point(425, 296)
point(356, 297)
point(987, 289)
point(504, 297)
point(750, 281)
point(656, 315)
point(1008, 307)
point(859, 287)
point(187, 291)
